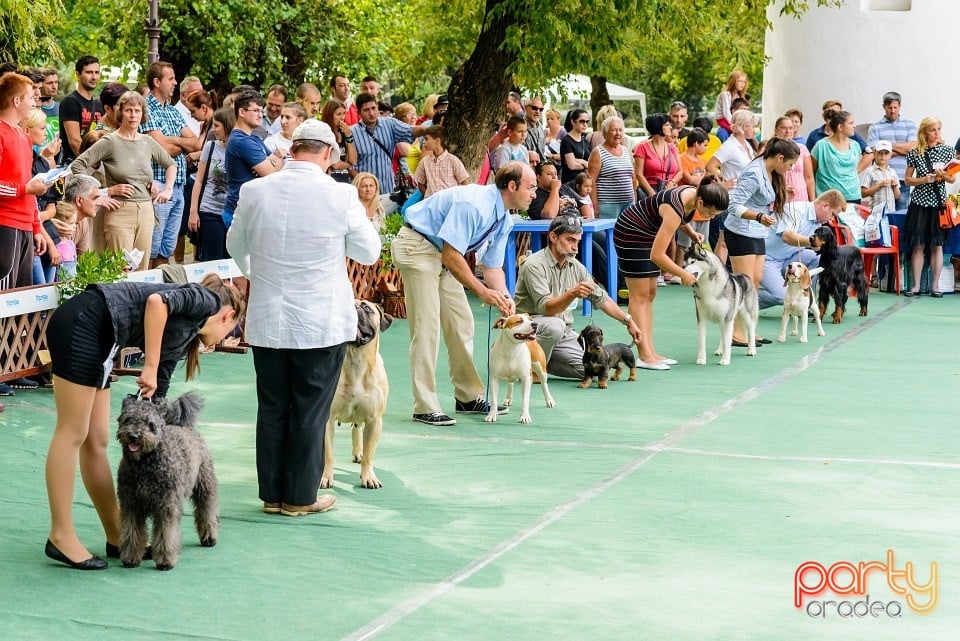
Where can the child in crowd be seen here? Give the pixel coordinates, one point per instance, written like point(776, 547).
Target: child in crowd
point(705, 125)
point(879, 182)
point(438, 169)
point(583, 186)
point(796, 116)
point(512, 148)
point(694, 169)
point(65, 220)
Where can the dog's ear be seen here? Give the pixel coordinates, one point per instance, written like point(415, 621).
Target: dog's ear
point(581, 340)
point(501, 323)
point(805, 280)
point(600, 333)
point(184, 410)
point(385, 319)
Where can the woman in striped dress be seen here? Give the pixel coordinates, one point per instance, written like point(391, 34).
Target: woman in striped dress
point(642, 236)
point(611, 169)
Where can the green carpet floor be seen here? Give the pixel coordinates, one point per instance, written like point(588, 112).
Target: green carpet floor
point(674, 508)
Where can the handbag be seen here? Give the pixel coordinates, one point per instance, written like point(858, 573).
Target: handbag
point(949, 216)
point(403, 183)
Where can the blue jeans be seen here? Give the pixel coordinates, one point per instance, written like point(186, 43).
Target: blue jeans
point(904, 200)
point(43, 275)
point(167, 226)
point(611, 210)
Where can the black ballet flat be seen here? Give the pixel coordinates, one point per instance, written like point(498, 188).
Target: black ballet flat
point(910, 294)
point(93, 563)
point(936, 294)
point(113, 552)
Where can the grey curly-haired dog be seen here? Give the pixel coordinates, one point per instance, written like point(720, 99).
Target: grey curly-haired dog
point(165, 460)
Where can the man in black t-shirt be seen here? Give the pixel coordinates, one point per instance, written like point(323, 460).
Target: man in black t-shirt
point(80, 111)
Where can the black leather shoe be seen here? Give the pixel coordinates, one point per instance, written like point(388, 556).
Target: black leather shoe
point(113, 552)
point(936, 294)
point(93, 563)
point(910, 294)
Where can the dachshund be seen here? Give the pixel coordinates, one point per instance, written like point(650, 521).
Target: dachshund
point(842, 270)
point(599, 359)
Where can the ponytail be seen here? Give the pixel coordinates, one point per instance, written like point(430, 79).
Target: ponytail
point(789, 150)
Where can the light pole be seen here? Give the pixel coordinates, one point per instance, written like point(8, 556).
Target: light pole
point(152, 25)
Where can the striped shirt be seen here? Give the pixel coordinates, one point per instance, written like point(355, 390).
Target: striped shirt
point(439, 172)
point(615, 181)
point(166, 119)
point(899, 130)
point(375, 159)
point(639, 224)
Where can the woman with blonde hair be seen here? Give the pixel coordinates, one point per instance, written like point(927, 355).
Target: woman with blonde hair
point(604, 112)
point(368, 190)
point(736, 88)
point(553, 135)
point(928, 195)
point(125, 156)
point(428, 108)
point(731, 159)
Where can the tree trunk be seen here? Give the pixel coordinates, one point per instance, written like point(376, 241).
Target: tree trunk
point(599, 97)
point(479, 90)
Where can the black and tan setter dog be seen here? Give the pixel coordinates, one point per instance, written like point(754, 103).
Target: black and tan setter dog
point(842, 270)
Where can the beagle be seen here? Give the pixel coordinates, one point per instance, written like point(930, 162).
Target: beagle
point(798, 300)
point(512, 356)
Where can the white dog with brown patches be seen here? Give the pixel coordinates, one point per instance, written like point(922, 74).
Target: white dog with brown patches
point(798, 300)
point(513, 355)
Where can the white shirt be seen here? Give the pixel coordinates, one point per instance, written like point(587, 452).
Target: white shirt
point(291, 234)
point(277, 141)
point(194, 124)
point(272, 127)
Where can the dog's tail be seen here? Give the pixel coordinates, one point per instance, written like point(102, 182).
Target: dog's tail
point(185, 410)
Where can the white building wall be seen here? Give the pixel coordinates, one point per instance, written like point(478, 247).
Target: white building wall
point(857, 53)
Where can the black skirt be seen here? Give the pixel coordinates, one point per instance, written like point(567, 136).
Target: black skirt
point(923, 226)
point(80, 337)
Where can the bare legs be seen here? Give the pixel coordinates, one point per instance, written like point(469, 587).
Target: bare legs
point(752, 266)
point(642, 292)
point(916, 266)
point(81, 433)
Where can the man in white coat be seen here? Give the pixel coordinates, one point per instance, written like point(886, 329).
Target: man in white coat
point(291, 234)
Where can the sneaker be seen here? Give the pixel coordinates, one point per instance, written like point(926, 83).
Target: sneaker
point(661, 282)
point(5, 390)
point(438, 419)
point(478, 406)
point(24, 383)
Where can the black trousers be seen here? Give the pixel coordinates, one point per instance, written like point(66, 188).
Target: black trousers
point(295, 388)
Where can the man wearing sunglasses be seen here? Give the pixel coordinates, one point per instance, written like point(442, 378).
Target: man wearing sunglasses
point(536, 135)
point(550, 285)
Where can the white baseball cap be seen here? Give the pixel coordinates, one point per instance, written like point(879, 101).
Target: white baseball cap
point(883, 145)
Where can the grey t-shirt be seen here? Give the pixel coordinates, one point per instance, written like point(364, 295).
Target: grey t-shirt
point(125, 161)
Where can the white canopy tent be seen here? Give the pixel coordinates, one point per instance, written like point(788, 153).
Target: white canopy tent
point(577, 88)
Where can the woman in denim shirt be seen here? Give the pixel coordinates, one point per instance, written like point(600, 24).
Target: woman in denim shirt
point(755, 203)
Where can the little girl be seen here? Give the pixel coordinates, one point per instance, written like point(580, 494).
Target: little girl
point(583, 186)
point(65, 221)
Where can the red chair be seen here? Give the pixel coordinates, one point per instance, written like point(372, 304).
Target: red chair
point(870, 254)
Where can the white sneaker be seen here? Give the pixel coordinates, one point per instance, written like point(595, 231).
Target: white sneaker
point(661, 282)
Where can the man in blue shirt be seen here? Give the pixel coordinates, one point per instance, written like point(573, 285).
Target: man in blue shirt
point(430, 252)
point(792, 240)
point(246, 157)
point(375, 139)
point(902, 133)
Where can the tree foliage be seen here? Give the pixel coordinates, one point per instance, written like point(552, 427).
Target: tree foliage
point(27, 30)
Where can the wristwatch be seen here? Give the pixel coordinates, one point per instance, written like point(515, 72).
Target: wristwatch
point(626, 320)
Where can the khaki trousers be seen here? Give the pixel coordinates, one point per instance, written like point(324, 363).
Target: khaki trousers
point(436, 301)
point(130, 227)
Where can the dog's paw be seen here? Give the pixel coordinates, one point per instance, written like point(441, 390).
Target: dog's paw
point(794, 333)
point(783, 339)
point(701, 360)
point(131, 564)
point(507, 402)
point(370, 483)
point(526, 419)
point(326, 483)
point(583, 385)
point(803, 339)
point(490, 418)
point(724, 361)
point(358, 458)
point(208, 542)
point(863, 312)
point(551, 403)
point(602, 385)
point(719, 352)
point(163, 567)
point(820, 332)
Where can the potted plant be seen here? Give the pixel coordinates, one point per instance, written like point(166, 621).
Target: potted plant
point(107, 266)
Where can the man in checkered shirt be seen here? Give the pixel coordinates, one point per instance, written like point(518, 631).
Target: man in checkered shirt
point(166, 126)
